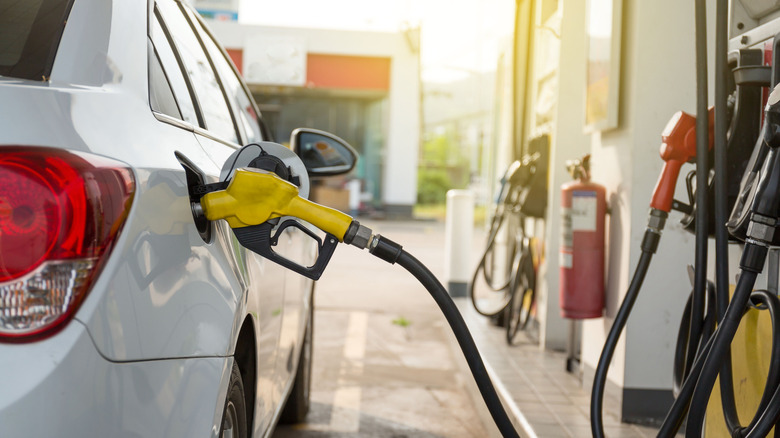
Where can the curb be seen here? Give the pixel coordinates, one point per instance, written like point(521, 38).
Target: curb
point(519, 420)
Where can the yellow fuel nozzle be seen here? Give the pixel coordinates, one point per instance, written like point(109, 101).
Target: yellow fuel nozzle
point(254, 196)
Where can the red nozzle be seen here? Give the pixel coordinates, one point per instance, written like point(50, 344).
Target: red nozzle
point(678, 148)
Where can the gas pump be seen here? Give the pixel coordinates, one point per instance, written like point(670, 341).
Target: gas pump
point(704, 350)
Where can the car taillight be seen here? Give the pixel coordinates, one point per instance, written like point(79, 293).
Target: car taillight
point(60, 212)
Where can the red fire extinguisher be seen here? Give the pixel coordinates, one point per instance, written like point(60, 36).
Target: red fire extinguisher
point(582, 248)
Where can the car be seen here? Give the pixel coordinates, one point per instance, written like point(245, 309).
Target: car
point(118, 315)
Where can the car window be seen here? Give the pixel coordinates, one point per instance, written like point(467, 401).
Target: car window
point(161, 96)
point(243, 104)
point(216, 114)
point(173, 74)
point(30, 33)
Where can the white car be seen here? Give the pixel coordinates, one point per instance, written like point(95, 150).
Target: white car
point(118, 316)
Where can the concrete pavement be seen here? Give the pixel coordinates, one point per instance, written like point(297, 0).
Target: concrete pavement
point(383, 366)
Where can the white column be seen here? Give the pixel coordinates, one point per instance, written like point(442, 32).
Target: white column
point(458, 232)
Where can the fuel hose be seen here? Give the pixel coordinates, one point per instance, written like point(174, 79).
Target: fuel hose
point(507, 218)
point(255, 197)
point(694, 395)
point(649, 247)
point(393, 253)
point(702, 192)
point(682, 367)
point(500, 220)
point(728, 402)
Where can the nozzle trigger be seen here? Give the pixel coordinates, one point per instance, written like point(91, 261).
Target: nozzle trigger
point(258, 238)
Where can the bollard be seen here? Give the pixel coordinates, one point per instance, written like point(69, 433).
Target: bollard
point(354, 196)
point(458, 232)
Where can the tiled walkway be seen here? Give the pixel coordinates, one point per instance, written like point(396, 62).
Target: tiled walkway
point(546, 400)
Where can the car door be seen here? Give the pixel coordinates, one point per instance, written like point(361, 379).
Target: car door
point(219, 134)
point(293, 244)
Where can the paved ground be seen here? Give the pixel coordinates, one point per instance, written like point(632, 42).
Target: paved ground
point(386, 364)
point(383, 366)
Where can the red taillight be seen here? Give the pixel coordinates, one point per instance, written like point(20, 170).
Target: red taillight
point(60, 212)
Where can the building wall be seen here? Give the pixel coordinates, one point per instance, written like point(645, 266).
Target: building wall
point(402, 112)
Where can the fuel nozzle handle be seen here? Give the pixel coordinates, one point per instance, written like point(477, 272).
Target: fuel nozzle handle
point(255, 196)
point(765, 206)
point(677, 148)
point(771, 129)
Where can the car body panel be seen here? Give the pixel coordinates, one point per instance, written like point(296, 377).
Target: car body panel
point(92, 396)
point(149, 350)
point(159, 248)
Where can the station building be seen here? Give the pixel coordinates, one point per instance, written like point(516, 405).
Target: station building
point(361, 86)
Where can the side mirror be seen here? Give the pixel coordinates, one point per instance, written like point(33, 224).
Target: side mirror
point(323, 153)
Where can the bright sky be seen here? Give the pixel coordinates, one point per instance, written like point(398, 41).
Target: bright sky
point(600, 19)
point(458, 37)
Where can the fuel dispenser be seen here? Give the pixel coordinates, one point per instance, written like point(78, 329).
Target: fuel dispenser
point(745, 180)
point(503, 286)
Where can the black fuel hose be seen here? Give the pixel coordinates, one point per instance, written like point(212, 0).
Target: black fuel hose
point(505, 208)
point(682, 368)
point(769, 407)
point(393, 253)
point(676, 415)
point(721, 213)
point(753, 259)
point(702, 192)
point(649, 246)
point(768, 410)
point(487, 273)
point(696, 389)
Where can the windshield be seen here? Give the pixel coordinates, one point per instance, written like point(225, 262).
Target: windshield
point(30, 32)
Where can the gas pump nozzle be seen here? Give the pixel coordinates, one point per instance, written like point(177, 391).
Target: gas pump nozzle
point(263, 191)
point(678, 147)
point(771, 131)
point(255, 197)
point(756, 212)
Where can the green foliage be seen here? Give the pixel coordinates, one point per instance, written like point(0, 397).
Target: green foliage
point(437, 151)
point(401, 321)
point(432, 186)
point(442, 167)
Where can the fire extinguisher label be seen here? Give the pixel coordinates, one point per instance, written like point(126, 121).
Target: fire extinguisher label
point(583, 211)
point(566, 260)
point(567, 238)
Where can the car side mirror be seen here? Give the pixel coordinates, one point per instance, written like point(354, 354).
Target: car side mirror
point(323, 153)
